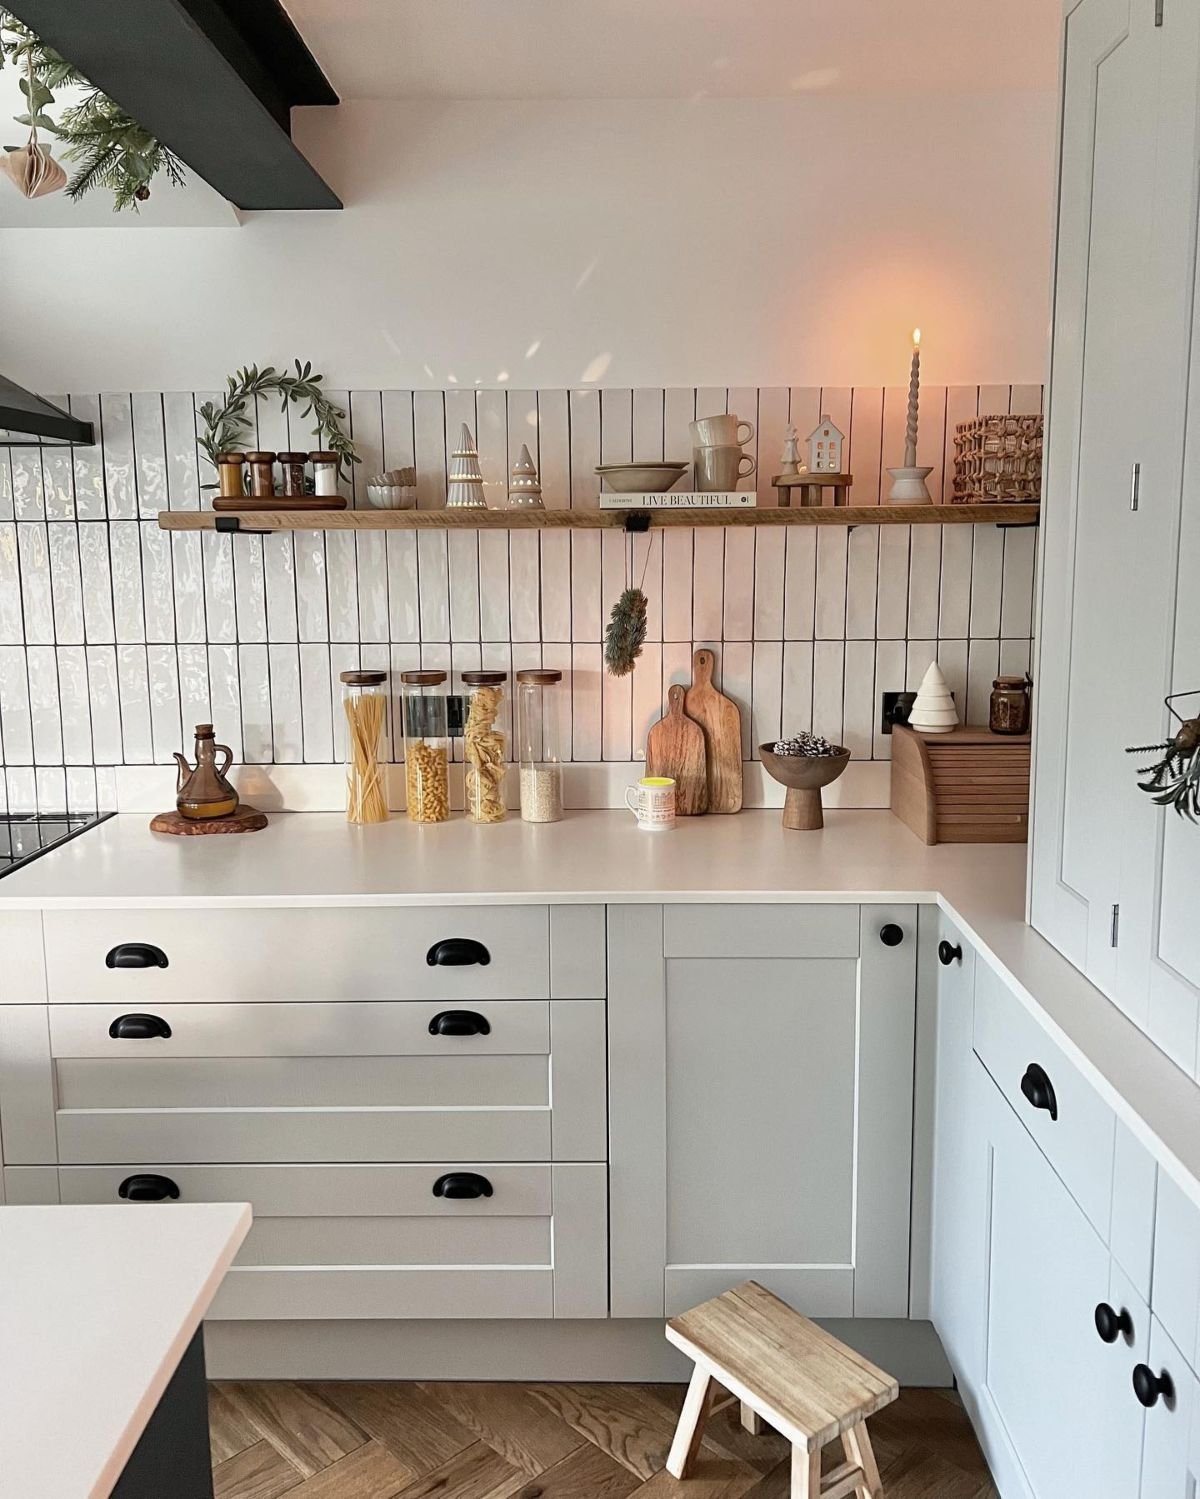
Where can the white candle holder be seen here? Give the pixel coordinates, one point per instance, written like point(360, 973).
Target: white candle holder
point(908, 486)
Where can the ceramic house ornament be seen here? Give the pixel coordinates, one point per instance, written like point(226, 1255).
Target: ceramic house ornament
point(825, 448)
point(466, 477)
point(933, 712)
point(524, 486)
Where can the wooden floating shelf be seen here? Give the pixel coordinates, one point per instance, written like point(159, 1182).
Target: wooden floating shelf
point(549, 520)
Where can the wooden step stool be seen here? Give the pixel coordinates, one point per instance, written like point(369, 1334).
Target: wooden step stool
point(787, 1371)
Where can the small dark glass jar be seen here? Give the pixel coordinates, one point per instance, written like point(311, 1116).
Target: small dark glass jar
point(1008, 711)
point(292, 468)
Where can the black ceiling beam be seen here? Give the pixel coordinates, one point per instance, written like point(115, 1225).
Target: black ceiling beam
point(215, 80)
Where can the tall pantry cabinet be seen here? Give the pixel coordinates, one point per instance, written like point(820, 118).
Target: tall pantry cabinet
point(1115, 880)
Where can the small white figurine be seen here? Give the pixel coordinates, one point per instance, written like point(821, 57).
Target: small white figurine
point(466, 478)
point(790, 462)
point(933, 712)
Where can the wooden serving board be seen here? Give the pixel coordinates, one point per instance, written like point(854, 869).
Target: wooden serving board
point(675, 747)
point(244, 819)
point(721, 723)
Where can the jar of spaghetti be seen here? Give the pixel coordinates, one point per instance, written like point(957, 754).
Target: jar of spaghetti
point(426, 746)
point(485, 746)
point(364, 702)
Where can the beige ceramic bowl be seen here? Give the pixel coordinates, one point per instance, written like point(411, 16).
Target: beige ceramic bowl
point(392, 496)
point(640, 478)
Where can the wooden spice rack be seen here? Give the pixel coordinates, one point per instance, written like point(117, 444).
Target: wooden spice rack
point(1024, 514)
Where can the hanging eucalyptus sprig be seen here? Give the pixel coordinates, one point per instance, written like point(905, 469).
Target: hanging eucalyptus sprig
point(1174, 781)
point(112, 150)
point(626, 633)
point(226, 426)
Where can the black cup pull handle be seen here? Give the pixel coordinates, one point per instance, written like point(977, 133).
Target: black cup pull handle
point(136, 955)
point(1148, 1386)
point(891, 935)
point(1111, 1324)
point(139, 1028)
point(948, 954)
point(462, 1184)
point(148, 1188)
point(1039, 1090)
point(458, 952)
point(459, 1023)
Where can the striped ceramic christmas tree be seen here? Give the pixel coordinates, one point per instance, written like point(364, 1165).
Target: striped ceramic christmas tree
point(466, 477)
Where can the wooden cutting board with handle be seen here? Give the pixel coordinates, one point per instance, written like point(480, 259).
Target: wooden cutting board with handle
point(721, 723)
point(675, 747)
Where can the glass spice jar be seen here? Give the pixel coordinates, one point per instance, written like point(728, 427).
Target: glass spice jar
point(364, 702)
point(325, 473)
point(262, 475)
point(292, 468)
point(1008, 711)
point(230, 468)
point(539, 745)
point(426, 746)
point(484, 746)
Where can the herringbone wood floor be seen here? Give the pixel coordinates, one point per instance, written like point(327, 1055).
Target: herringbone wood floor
point(553, 1441)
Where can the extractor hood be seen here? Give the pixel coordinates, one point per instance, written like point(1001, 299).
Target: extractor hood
point(26, 418)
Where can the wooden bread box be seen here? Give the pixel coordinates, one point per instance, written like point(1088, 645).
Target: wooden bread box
point(967, 786)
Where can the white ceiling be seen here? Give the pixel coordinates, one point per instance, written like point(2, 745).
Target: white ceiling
point(644, 49)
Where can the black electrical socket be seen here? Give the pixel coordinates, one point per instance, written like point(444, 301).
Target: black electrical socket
point(896, 708)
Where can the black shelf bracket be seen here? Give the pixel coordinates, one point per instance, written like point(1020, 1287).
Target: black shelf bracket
point(637, 521)
point(232, 526)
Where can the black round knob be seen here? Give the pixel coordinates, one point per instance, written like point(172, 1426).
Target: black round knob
point(147, 1188)
point(948, 954)
point(459, 1023)
point(1148, 1386)
point(1039, 1090)
point(891, 935)
point(1111, 1324)
point(462, 1184)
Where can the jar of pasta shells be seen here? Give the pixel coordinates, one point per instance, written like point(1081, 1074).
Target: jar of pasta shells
point(484, 746)
point(426, 746)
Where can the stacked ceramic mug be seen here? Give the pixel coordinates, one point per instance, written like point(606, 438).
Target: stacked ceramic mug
point(718, 452)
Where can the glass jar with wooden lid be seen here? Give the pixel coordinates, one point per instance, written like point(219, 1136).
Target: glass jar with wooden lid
point(231, 475)
point(540, 744)
point(1008, 710)
point(325, 473)
point(485, 745)
point(262, 475)
point(426, 745)
point(292, 467)
point(364, 702)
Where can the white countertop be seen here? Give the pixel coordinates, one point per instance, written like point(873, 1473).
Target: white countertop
point(316, 858)
point(97, 1307)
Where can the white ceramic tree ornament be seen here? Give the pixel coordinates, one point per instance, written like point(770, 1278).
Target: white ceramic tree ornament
point(524, 487)
point(466, 477)
point(933, 712)
point(790, 462)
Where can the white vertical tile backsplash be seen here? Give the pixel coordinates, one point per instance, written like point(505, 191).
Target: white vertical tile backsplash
point(116, 637)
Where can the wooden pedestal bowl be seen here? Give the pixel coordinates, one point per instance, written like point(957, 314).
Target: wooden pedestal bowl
point(803, 775)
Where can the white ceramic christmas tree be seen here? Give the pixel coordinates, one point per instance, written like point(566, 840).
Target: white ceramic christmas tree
point(466, 477)
point(524, 487)
point(933, 712)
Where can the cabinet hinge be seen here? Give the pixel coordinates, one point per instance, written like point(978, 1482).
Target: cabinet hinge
point(1135, 487)
point(1158, 12)
point(1115, 929)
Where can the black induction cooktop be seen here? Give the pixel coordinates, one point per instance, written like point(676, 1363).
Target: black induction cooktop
point(26, 838)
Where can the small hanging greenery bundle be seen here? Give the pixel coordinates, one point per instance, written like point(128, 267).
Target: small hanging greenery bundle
point(226, 426)
point(626, 633)
point(1174, 781)
point(111, 148)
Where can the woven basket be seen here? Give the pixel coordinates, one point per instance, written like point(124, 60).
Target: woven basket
point(998, 458)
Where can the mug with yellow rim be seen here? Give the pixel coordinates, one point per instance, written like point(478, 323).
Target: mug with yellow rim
point(652, 802)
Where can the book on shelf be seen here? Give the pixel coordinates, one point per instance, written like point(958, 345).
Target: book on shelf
point(725, 499)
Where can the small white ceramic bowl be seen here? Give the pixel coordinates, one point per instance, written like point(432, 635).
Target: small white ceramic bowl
point(392, 496)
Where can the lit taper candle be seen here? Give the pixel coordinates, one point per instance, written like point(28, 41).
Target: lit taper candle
point(914, 395)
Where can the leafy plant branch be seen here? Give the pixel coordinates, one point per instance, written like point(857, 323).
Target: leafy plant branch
point(226, 426)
